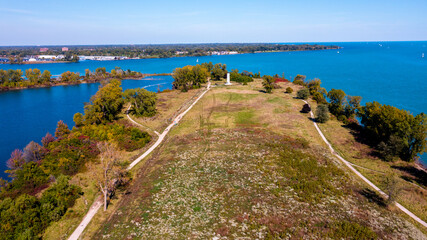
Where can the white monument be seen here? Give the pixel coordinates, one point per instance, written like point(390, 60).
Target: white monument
point(228, 79)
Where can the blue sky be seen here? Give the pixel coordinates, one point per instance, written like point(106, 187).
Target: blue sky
point(47, 22)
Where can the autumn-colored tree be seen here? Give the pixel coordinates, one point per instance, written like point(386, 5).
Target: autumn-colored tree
point(105, 105)
point(61, 129)
point(33, 152)
point(70, 77)
point(15, 162)
point(33, 75)
point(45, 77)
point(47, 139)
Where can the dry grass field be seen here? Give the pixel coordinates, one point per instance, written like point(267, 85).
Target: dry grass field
point(243, 164)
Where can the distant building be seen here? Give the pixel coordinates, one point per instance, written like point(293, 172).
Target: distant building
point(65, 49)
point(46, 57)
point(44, 49)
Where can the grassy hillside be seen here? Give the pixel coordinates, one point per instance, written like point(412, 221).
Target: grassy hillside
point(243, 163)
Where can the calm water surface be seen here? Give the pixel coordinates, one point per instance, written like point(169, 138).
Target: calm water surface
point(391, 73)
point(28, 114)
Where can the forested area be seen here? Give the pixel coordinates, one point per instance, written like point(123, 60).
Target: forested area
point(13, 79)
point(39, 191)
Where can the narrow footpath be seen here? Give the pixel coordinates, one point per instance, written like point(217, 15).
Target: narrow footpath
point(98, 203)
point(349, 165)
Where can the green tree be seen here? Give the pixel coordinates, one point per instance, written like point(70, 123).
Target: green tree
point(322, 113)
point(105, 105)
point(353, 104)
point(289, 90)
point(219, 71)
point(143, 102)
point(303, 93)
point(268, 83)
point(78, 119)
point(401, 132)
point(336, 101)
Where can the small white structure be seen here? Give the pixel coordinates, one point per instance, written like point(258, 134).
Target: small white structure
point(228, 79)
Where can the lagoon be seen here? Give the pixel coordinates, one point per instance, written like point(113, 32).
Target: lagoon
point(391, 73)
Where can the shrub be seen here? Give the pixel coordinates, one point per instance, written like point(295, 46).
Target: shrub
point(306, 108)
point(289, 90)
point(268, 83)
point(322, 113)
point(299, 80)
point(303, 94)
point(319, 98)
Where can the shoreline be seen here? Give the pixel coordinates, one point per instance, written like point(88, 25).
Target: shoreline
point(177, 56)
point(144, 75)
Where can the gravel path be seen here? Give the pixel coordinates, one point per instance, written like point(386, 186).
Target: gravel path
point(349, 165)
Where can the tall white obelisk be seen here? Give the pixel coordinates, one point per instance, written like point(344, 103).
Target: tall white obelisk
point(228, 79)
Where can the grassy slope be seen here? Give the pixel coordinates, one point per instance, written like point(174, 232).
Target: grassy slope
point(245, 164)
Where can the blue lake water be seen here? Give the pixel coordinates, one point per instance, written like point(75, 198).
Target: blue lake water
point(391, 73)
point(29, 114)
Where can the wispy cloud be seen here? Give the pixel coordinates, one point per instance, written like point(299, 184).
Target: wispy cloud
point(14, 10)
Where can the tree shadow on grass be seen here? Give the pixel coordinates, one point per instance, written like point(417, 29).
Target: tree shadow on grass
point(417, 175)
point(373, 196)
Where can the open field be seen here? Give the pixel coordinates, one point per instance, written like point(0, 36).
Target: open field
point(246, 164)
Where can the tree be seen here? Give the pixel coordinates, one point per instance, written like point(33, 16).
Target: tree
point(189, 77)
point(314, 86)
point(33, 75)
point(319, 98)
point(33, 152)
point(61, 130)
point(16, 161)
point(47, 139)
point(336, 101)
point(268, 83)
point(289, 90)
point(105, 105)
point(322, 113)
point(299, 80)
point(219, 71)
point(87, 73)
point(109, 157)
point(45, 77)
point(78, 119)
point(143, 102)
point(392, 188)
point(303, 93)
point(353, 104)
point(70, 77)
point(381, 122)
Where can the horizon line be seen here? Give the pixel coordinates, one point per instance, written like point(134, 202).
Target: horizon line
point(202, 43)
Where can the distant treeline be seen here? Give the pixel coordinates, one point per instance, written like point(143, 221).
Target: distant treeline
point(16, 79)
point(160, 50)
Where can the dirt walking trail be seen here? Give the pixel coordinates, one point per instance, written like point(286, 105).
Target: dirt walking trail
point(349, 165)
point(98, 202)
